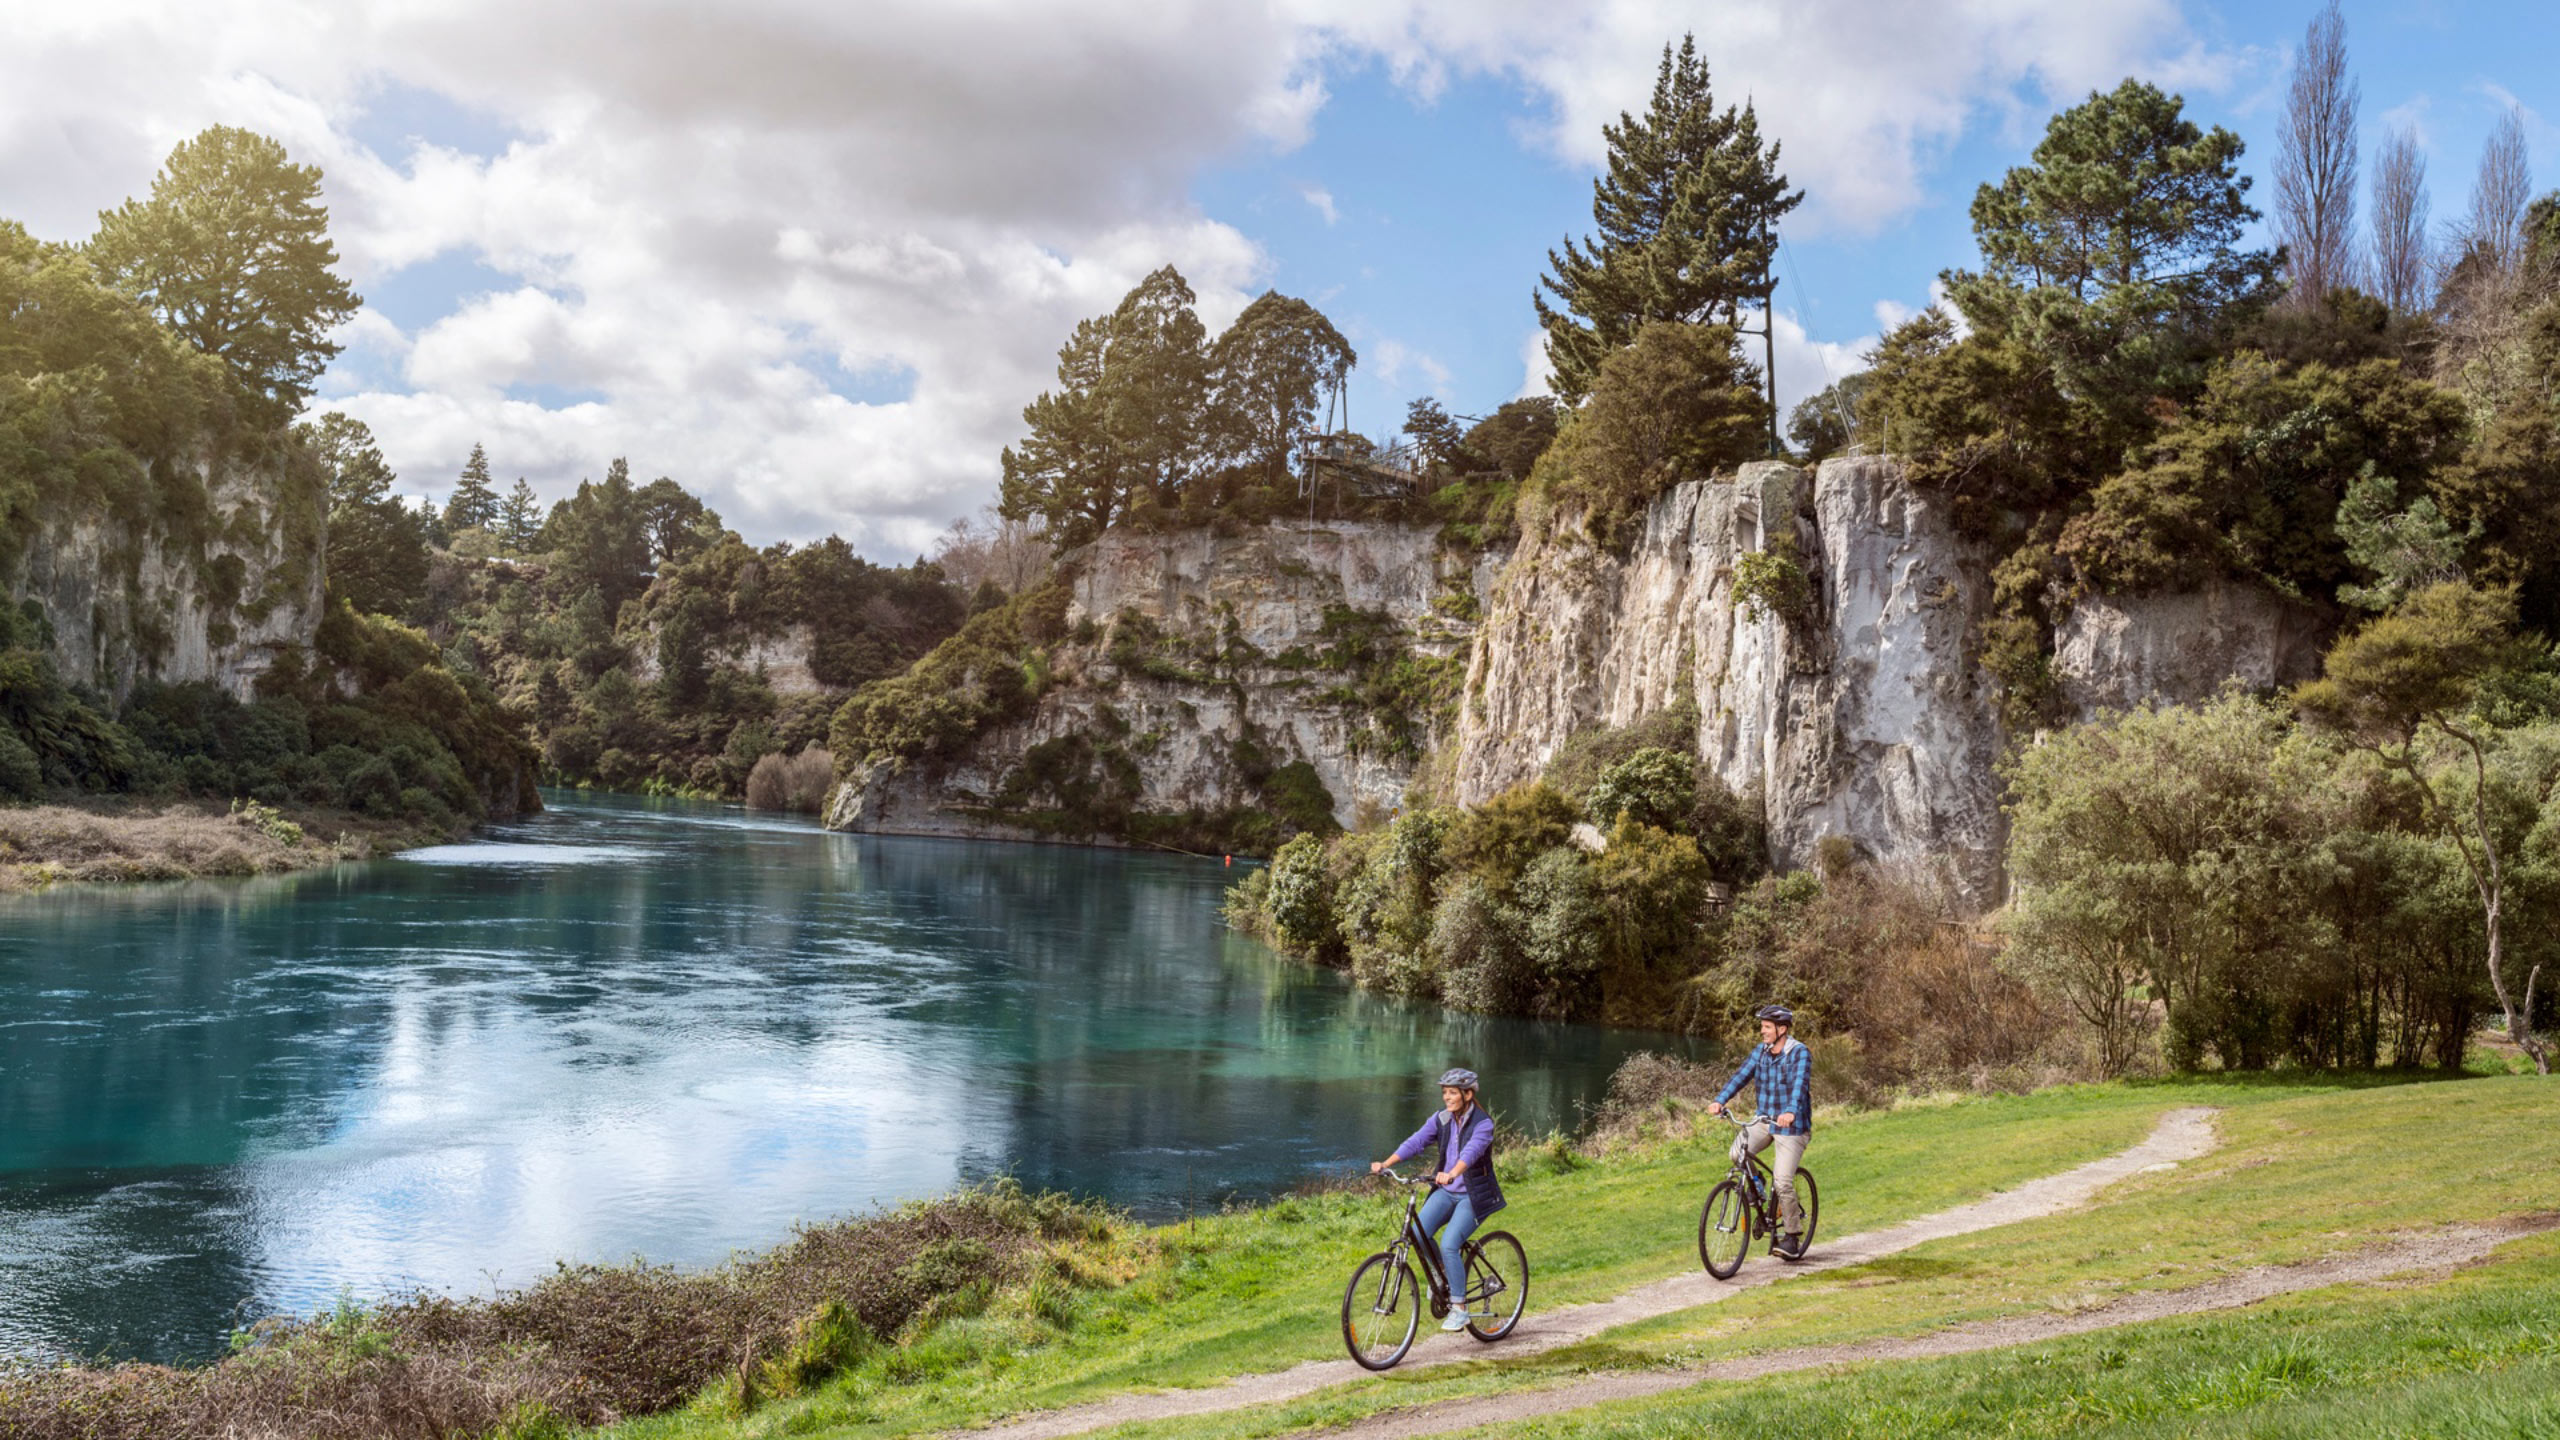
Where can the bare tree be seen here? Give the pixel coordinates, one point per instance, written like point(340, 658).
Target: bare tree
point(2400, 258)
point(986, 547)
point(2494, 231)
point(2316, 163)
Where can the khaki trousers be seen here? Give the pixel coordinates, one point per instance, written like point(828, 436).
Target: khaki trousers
point(1783, 1165)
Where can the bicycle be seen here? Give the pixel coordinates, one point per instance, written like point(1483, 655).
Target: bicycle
point(1743, 1207)
point(1382, 1307)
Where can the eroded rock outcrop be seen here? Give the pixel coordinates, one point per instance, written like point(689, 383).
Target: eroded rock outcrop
point(129, 601)
point(1862, 711)
point(2115, 652)
point(1197, 665)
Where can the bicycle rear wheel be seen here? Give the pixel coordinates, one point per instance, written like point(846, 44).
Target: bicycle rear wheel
point(1380, 1310)
point(1497, 1284)
point(1808, 1196)
point(1724, 1230)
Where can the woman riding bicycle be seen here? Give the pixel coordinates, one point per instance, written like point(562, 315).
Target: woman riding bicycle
point(1464, 1134)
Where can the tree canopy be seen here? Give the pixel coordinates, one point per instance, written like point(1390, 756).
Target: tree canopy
point(1687, 214)
point(1146, 406)
point(1269, 371)
point(377, 546)
point(231, 250)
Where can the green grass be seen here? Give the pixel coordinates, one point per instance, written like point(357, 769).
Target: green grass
point(2298, 1176)
point(2475, 1355)
point(1259, 1290)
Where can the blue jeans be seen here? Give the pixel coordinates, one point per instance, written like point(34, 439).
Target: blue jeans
point(1453, 1207)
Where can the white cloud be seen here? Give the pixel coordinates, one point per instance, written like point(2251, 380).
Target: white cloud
point(1321, 200)
point(1537, 370)
point(1392, 360)
point(1806, 365)
point(2415, 115)
point(717, 235)
point(1864, 94)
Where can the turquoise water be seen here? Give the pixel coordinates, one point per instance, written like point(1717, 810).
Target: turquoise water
point(654, 1028)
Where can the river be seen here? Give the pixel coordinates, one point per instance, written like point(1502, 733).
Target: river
point(654, 1028)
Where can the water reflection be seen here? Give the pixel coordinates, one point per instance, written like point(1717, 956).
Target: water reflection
point(628, 1028)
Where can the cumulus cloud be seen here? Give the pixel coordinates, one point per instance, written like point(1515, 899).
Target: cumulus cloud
point(1864, 94)
point(812, 259)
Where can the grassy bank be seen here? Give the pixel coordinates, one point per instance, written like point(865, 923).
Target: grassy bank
point(2303, 1172)
point(2308, 1167)
point(116, 840)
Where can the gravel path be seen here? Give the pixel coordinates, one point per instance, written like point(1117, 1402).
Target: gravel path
point(2440, 1251)
point(2181, 1135)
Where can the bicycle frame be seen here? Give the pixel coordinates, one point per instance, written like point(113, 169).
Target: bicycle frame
point(1752, 1175)
point(1412, 1241)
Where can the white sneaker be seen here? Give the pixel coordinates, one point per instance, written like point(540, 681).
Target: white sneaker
point(1457, 1321)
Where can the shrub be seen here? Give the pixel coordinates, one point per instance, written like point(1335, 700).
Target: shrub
point(1587, 752)
point(1679, 402)
point(1653, 786)
point(797, 783)
point(1561, 939)
point(1299, 907)
point(1476, 948)
point(1496, 841)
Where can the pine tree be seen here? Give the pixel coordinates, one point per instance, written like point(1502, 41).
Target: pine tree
point(519, 518)
point(475, 498)
point(232, 251)
point(1127, 420)
point(1688, 216)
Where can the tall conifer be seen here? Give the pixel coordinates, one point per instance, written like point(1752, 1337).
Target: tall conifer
point(475, 497)
point(1688, 215)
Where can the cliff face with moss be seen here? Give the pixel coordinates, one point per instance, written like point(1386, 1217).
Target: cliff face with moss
point(211, 583)
point(1824, 625)
point(1199, 689)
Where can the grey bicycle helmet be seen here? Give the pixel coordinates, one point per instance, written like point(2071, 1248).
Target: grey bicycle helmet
point(1461, 1077)
point(1779, 1013)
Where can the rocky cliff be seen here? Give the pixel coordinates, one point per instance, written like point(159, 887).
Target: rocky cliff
point(209, 583)
point(1199, 665)
point(1823, 624)
point(1844, 691)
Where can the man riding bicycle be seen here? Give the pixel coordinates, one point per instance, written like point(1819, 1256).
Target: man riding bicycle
point(1465, 1136)
point(1779, 1071)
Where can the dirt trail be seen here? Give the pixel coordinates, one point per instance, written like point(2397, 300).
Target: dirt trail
point(2180, 1136)
point(2439, 1251)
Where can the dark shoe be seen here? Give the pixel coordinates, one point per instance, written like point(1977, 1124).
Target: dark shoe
point(1789, 1247)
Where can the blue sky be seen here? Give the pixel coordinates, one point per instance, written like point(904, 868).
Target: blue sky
point(812, 260)
point(1442, 211)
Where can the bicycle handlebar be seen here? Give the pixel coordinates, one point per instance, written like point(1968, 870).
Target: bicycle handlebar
point(1391, 1174)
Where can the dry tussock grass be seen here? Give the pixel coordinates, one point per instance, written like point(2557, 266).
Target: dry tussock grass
point(40, 844)
point(586, 1346)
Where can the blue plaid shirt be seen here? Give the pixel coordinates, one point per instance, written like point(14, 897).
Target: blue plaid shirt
point(1781, 1083)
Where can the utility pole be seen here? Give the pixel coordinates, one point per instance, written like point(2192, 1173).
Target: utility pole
point(1769, 337)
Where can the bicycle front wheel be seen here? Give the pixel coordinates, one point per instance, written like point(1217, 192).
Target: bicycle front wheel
point(1724, 1230)
point(1497, 1284)
point(1380, 1311)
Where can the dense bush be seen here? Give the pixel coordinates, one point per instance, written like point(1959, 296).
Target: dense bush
point(988, 673)
point(2260, 894)
point(629, 630)
point(1494, 908)
point(1678, 403)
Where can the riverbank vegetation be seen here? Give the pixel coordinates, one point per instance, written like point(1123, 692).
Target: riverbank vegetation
point(145, 381)
point(961, 1311)
point(641, 644)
